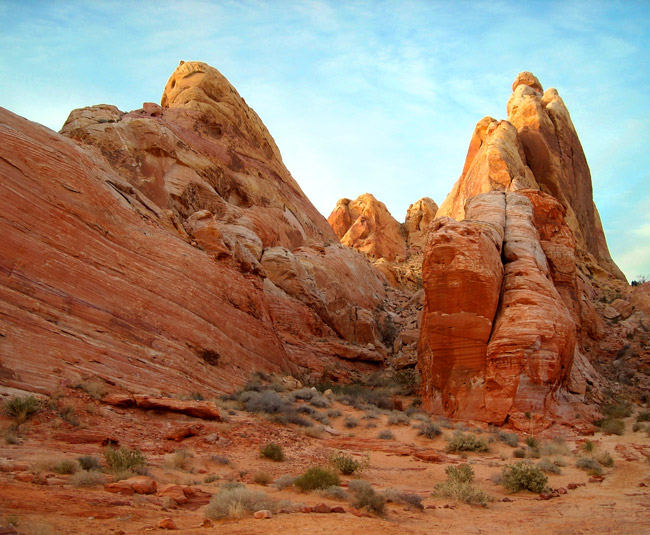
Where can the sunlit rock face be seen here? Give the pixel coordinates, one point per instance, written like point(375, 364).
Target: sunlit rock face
point(510, 281)
point(169, 249)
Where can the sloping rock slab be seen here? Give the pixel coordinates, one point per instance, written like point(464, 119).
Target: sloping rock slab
point(199, 409)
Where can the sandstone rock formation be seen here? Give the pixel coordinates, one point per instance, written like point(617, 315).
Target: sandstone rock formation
point(525, 235)
point(135, 248)
point(366, 225)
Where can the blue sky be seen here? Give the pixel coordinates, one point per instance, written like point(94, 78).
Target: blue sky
point(365, 96)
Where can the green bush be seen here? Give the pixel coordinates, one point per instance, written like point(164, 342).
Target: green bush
point(350, 422)
point(511, 439)
point(519, 453)
point(588, 446)
point(316, 478)
point(89, 462)
point(429, 429)
point(236, 501)
point(617, 410)
point(463, 473)
point(67, 466)
point(124, 460)
point(22, 408)
point(612, 426)
point(367, 498)
point(284, 481)
point(532, 442)
point(643, 416)
point(347, 464)
point(87, 478)
point(460, 441)
point(462, 492)
point(605, 459)
point(273, 451)
point(590, 465)
point(548, 467)
point(335, 493)
point(262, 478)
point(410, 499)
point(523, 476)
point(398, 418)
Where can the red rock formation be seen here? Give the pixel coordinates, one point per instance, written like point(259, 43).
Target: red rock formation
point(419, 216)
point(366, 225)
point(133, 253)
point(553, 246)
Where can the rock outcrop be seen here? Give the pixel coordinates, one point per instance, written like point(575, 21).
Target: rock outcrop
point(365, 224)
point(525, 235)
point(135, 248)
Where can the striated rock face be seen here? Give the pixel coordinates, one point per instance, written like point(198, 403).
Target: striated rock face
point(497, 338)
point(366, 225)
point(526, 186)
point(136, 248)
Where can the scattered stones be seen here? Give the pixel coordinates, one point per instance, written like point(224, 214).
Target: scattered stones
point(262, 514)
point(321, 508)
point(507, 500)
point(573, 486)
point(596, 479)
point(337, 509)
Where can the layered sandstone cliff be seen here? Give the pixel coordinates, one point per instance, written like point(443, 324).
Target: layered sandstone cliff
point(170, 249)
point(512, 281)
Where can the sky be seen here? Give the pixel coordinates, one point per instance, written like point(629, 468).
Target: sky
point(362, 96)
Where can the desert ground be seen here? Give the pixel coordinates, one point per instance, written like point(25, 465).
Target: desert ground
point(191, 458)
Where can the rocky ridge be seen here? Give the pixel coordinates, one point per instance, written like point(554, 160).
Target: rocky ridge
point(168, 248)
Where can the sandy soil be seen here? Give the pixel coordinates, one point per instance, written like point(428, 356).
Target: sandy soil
point(619, 504)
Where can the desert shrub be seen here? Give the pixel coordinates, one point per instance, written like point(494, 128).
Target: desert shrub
point(68, 414)
point(357, 395)
point(590, 465)
point(262, 478)
point(557, 446)
point(519, 453)
point(237, 501)
point(124, 459)
point(284, 481)
point(401, 497)
point(532, 442)
point(334, 413)
point(21, 408)
point(612, 426)
point(179, 460)
point(535, 453)
point(460, 441)
point(637, 427)
point(210, 478)
point(11, 437)
point(89, 462)
point(95, 389)
point(316, 478)
point(66, 466)
point(605, 459)
point(548, 467)
point(86, 478)
point(408, 381)
point(350, 422)
point(463, 492)
point(617, 410)
point(220, 459)
point(367, 498)
point(306, 410)
point(267, 401)
point(511, 439)
point(356, 485)
point(523, 476)
point(429, 429)
point(643, 416)
point(273, 451)
point(588, 446)
point(398, 418)
point(335, 493)
point(417, 414)
point(320, 418)
point(347, 464)
point(387, 434)
point(463, 473)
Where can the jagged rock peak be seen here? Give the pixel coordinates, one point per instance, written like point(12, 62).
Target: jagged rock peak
point(529, 79)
